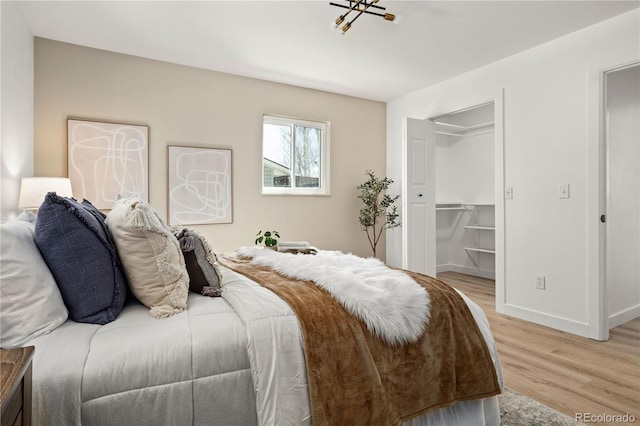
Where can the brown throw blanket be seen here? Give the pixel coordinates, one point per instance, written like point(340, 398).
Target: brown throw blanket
point(357, 379)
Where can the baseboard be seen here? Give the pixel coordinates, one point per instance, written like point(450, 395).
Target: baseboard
point(449, 267)
point(542, 318)
point(443, 268)
point(624, 316)
point(565, 324)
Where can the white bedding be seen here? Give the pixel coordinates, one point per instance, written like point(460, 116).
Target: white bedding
point(234, 360)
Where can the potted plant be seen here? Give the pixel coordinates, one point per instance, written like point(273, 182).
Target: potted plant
point(379, 212)
point(270, 239)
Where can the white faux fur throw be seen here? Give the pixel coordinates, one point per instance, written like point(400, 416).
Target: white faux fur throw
point(392, 305)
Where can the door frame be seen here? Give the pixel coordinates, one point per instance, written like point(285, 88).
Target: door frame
point(458, 104)
point(597, 313)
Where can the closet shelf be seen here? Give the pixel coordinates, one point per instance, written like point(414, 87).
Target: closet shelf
point(480, 250)
point(482, 228)
point(450, 206)
point(461, 206)
point(450, 129)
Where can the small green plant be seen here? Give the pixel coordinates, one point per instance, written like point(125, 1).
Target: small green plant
point(270, 238)
point(379, 212)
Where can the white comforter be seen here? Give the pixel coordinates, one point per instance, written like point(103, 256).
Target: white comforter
point(235, 360)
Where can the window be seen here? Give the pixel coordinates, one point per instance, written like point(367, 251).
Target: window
point(295, 156)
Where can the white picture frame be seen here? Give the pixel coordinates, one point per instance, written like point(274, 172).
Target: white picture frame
point(106, 160)
point(200, 190)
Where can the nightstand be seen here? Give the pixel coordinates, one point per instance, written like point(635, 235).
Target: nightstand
point(15, 394)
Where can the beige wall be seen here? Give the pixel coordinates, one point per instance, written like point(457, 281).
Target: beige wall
point(195, 107)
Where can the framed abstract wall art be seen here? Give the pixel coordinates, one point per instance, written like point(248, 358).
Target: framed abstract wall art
point(107, 159)
point(199, 185)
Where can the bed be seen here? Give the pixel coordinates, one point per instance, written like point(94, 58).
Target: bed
point(194, 367)
point(236, 359)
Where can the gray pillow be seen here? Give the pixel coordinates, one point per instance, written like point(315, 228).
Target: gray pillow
point(205, 276)
point(76, 245)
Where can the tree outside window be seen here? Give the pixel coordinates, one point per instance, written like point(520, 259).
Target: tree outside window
point(294, 157)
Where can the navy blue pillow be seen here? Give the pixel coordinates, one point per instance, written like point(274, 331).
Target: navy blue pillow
point(76, 245)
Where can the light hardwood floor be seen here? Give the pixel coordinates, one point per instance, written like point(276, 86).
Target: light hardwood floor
point(569, 373)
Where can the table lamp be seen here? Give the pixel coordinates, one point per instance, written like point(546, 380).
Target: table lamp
point(34, 189)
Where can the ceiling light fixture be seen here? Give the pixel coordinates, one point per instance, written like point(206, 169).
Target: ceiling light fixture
point(360, 6)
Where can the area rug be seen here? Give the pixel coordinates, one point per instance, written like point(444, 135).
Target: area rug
point(519, 410)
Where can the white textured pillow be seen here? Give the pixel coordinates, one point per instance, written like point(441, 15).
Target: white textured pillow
point(150, 255)
point(30, 302)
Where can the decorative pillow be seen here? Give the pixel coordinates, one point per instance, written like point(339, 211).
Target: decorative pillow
point(151, 257)
point(76, 245)
point(205, 276)
point(30, 301)
point(27, 216)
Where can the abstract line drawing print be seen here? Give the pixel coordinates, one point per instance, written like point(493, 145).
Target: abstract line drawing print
point(107, 159)
point(199, 186)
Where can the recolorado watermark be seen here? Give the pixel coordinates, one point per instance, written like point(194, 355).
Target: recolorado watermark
point(605, 418)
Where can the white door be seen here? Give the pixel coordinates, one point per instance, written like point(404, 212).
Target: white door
point(420, 194)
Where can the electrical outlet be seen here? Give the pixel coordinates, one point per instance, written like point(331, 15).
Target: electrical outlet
point(540, 282)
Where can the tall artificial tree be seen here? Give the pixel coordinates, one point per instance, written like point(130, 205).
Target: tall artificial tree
point(379, 211)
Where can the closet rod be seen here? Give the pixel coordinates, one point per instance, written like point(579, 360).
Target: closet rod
point(457, 126)
point(463, 129)
point(481, 125)
point(460, 110)
point(438, 132)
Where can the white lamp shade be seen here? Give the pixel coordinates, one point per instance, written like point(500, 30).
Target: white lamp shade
point(34, 189)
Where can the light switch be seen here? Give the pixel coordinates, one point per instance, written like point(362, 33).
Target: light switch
point(508, 193)
point(564, 190)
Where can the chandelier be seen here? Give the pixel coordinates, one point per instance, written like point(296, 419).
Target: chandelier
point(360, 6)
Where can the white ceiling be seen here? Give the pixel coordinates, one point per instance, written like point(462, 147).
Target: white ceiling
point(295, 42)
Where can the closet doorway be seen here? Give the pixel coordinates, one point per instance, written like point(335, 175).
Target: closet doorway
point(453, 208)
point(465, 191)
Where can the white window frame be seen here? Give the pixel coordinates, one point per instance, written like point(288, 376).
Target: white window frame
point(324, 187)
